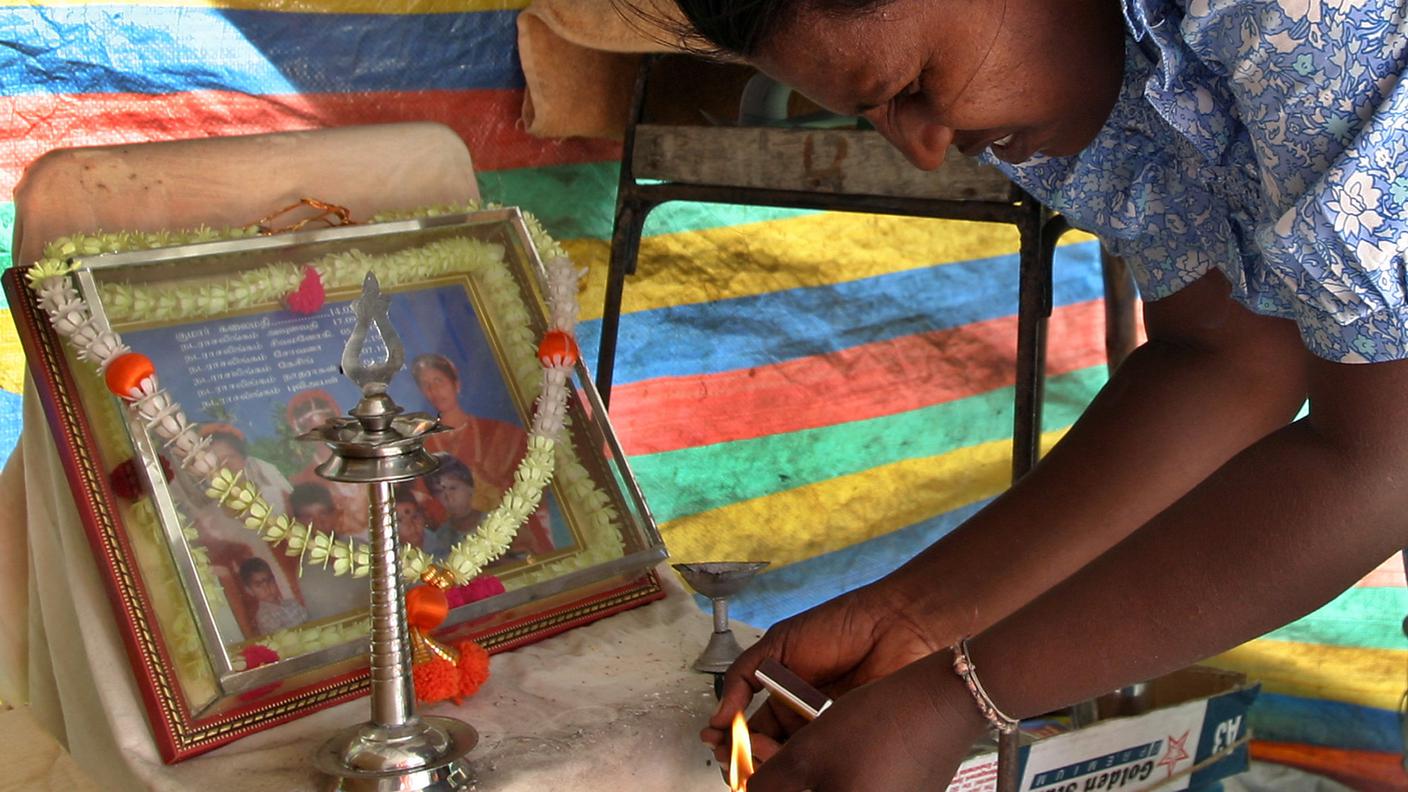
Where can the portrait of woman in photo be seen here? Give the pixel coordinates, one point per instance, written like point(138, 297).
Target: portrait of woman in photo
point(490, 449)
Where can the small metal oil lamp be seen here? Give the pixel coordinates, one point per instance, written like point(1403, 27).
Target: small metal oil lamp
point(379, 444)
point(719, 580)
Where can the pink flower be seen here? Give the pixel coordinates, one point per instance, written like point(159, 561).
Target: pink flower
point(482, 587)
point(256, 655)
point(308, 298)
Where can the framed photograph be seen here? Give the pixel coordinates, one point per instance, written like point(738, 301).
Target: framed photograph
point(233, 627)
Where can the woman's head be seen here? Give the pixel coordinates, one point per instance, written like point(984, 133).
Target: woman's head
point(438, 380)
point(1041, 75)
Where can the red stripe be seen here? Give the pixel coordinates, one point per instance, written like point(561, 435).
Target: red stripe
point(1367, 771)
point(868, 381)
point(486, 119)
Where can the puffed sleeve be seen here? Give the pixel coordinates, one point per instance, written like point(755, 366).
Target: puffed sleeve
point(1317, 86)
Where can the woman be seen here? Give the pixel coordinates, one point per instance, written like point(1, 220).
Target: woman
point(1247, 158)
point(491, 449)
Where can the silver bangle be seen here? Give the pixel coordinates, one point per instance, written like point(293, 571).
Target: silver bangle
point(963, 666)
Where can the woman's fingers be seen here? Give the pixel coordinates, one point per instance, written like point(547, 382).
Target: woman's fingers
point(739, 685)
point(764, 747)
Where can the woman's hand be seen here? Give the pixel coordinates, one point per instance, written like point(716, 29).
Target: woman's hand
point(837, 646)
point(909, 730)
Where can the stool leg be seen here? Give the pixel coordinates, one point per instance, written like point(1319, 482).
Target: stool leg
point(625, 248)
point(1033, 309)
point(1120, 301)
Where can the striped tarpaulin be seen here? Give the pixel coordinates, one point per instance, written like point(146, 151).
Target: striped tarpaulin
point(830, 392)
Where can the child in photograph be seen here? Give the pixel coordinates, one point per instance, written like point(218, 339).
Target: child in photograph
point(308, 410)
point(327, 594)
point(453, 486)
point(411, 519)
point(313, 504)
point(274, 612)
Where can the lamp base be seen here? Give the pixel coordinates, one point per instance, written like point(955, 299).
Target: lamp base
point(722, 650)
point(427, 754)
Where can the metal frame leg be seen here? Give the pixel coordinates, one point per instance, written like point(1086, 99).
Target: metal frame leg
point(631, 210)
point(1038, 236)
point(625, 248)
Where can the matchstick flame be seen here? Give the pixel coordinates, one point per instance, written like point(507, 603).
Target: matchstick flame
point(740, 763)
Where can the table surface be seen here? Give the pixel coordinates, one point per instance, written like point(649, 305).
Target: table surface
point(607, 706)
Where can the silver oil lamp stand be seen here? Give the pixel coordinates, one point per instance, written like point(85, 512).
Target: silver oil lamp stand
point(379, 444)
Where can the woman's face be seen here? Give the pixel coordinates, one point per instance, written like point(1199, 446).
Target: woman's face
point(441, 391)
point(933, 73)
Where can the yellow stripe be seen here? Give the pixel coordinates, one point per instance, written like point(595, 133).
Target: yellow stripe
point(307, 6)
point(691, 267)
point(11, 355)
point(1367, 677)
point(808, 521)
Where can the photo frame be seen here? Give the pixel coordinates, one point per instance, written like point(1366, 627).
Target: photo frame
point(230, 631)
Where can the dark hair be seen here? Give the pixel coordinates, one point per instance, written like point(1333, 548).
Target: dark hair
point(253, 566)
point(440, 363)
point(450, 467)
point(740, 27)
point(309, 494)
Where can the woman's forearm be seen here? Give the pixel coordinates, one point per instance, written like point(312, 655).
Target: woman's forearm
point(1275, 533)
point(1169, 417)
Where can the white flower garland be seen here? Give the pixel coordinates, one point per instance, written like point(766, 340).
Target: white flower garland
point(163, 416)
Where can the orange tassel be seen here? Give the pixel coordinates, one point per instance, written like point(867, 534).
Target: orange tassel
point(437, 671)
point(474, 667)
point(436, 680)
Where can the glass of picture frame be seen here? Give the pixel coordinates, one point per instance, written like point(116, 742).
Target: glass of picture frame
point(196, 590)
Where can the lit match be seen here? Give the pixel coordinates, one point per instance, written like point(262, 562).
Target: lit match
point(740, 762)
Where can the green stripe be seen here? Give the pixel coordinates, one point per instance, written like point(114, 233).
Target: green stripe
point(578, 202)
point(1362, 618)
point(7, 235)
point(693, 480)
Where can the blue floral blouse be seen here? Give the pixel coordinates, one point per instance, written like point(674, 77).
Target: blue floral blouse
point(1268, 139)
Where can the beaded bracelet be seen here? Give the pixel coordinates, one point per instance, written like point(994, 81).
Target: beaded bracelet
point(963, 666)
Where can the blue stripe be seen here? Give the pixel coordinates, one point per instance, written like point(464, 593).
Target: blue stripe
point(9, 424)
point(775, 595)
point(1281, 718)
point(157, 50)
point(771, 328)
